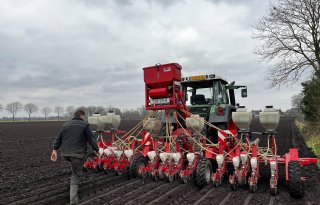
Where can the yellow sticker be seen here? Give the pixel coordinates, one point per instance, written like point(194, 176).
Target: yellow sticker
point(198, 77)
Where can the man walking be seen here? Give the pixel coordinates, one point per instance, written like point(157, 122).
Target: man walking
point(72, 143)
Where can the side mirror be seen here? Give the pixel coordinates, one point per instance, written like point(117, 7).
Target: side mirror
point(232, 83)
point(244, 93)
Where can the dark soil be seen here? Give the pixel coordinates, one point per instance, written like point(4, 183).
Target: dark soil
point(29, 177)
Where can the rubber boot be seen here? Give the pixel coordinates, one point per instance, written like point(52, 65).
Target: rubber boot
point(74, 194)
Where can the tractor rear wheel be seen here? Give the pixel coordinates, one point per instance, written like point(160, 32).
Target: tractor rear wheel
point(203, 174)
point(295, 183)
point(137, 162)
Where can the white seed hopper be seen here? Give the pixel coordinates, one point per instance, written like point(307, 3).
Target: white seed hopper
point(104, 122)
point(269, 118)
point(195, 122)
point(242, 118)
point(152, 125)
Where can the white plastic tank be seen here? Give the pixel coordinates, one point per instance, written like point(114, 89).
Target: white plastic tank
point(242, 118)
point(104, 122)
point(176, 157)
point(191, 157)
point(195, 122)
point(152, 125)
point(93, 120)
point(152, 155)
point(269, 118)
point(163, 156)
point(128, 153)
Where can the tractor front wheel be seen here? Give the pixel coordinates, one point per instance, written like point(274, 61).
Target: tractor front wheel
point(295, 183)
point(203, 174)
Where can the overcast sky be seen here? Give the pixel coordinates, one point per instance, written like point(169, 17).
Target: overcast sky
point(91, 52)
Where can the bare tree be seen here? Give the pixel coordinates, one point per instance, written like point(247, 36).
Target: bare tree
point(1, 107)
point(116, 110)
point(91, 110)
point(142, 111)
point(46, 111)
point(290, 33)
point(95, 109)
point(101, 110)
point(59, 110)
point(70, 110)
point(13, 108)
point(30, 108)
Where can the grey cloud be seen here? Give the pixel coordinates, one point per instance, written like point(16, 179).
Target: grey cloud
point(92, 52)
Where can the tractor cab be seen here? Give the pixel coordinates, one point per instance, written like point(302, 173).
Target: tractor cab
point(211, 97)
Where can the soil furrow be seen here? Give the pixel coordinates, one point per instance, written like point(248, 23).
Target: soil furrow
point(64, 191)
point(165, 198)
point(225, 199)
point(53, 184)
point(152, 194)
point(85, 192)
point(107, 195)
point(30, 178)
point(209, 192)
point(129, 196)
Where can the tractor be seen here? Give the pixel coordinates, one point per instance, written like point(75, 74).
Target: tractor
point(211, 97)
point(196, 131)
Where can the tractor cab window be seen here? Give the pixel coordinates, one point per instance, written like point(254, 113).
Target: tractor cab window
point(224, 95)
point(216, 92)
point(220, 93)
point(199, 96)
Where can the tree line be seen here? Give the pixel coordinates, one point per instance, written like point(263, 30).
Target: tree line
point(66, 113)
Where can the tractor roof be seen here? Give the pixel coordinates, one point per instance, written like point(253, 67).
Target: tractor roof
point(203, 78)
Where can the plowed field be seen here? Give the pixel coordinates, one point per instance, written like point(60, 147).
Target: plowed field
point(29, 177)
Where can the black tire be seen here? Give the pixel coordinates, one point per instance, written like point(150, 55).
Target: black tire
point(137, 161)
point(295, 183)
point(202, 178)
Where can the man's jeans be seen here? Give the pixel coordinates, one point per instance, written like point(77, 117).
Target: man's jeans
point(76, 168)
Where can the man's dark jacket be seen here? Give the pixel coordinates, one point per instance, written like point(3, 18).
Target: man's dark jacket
point(73, 137)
